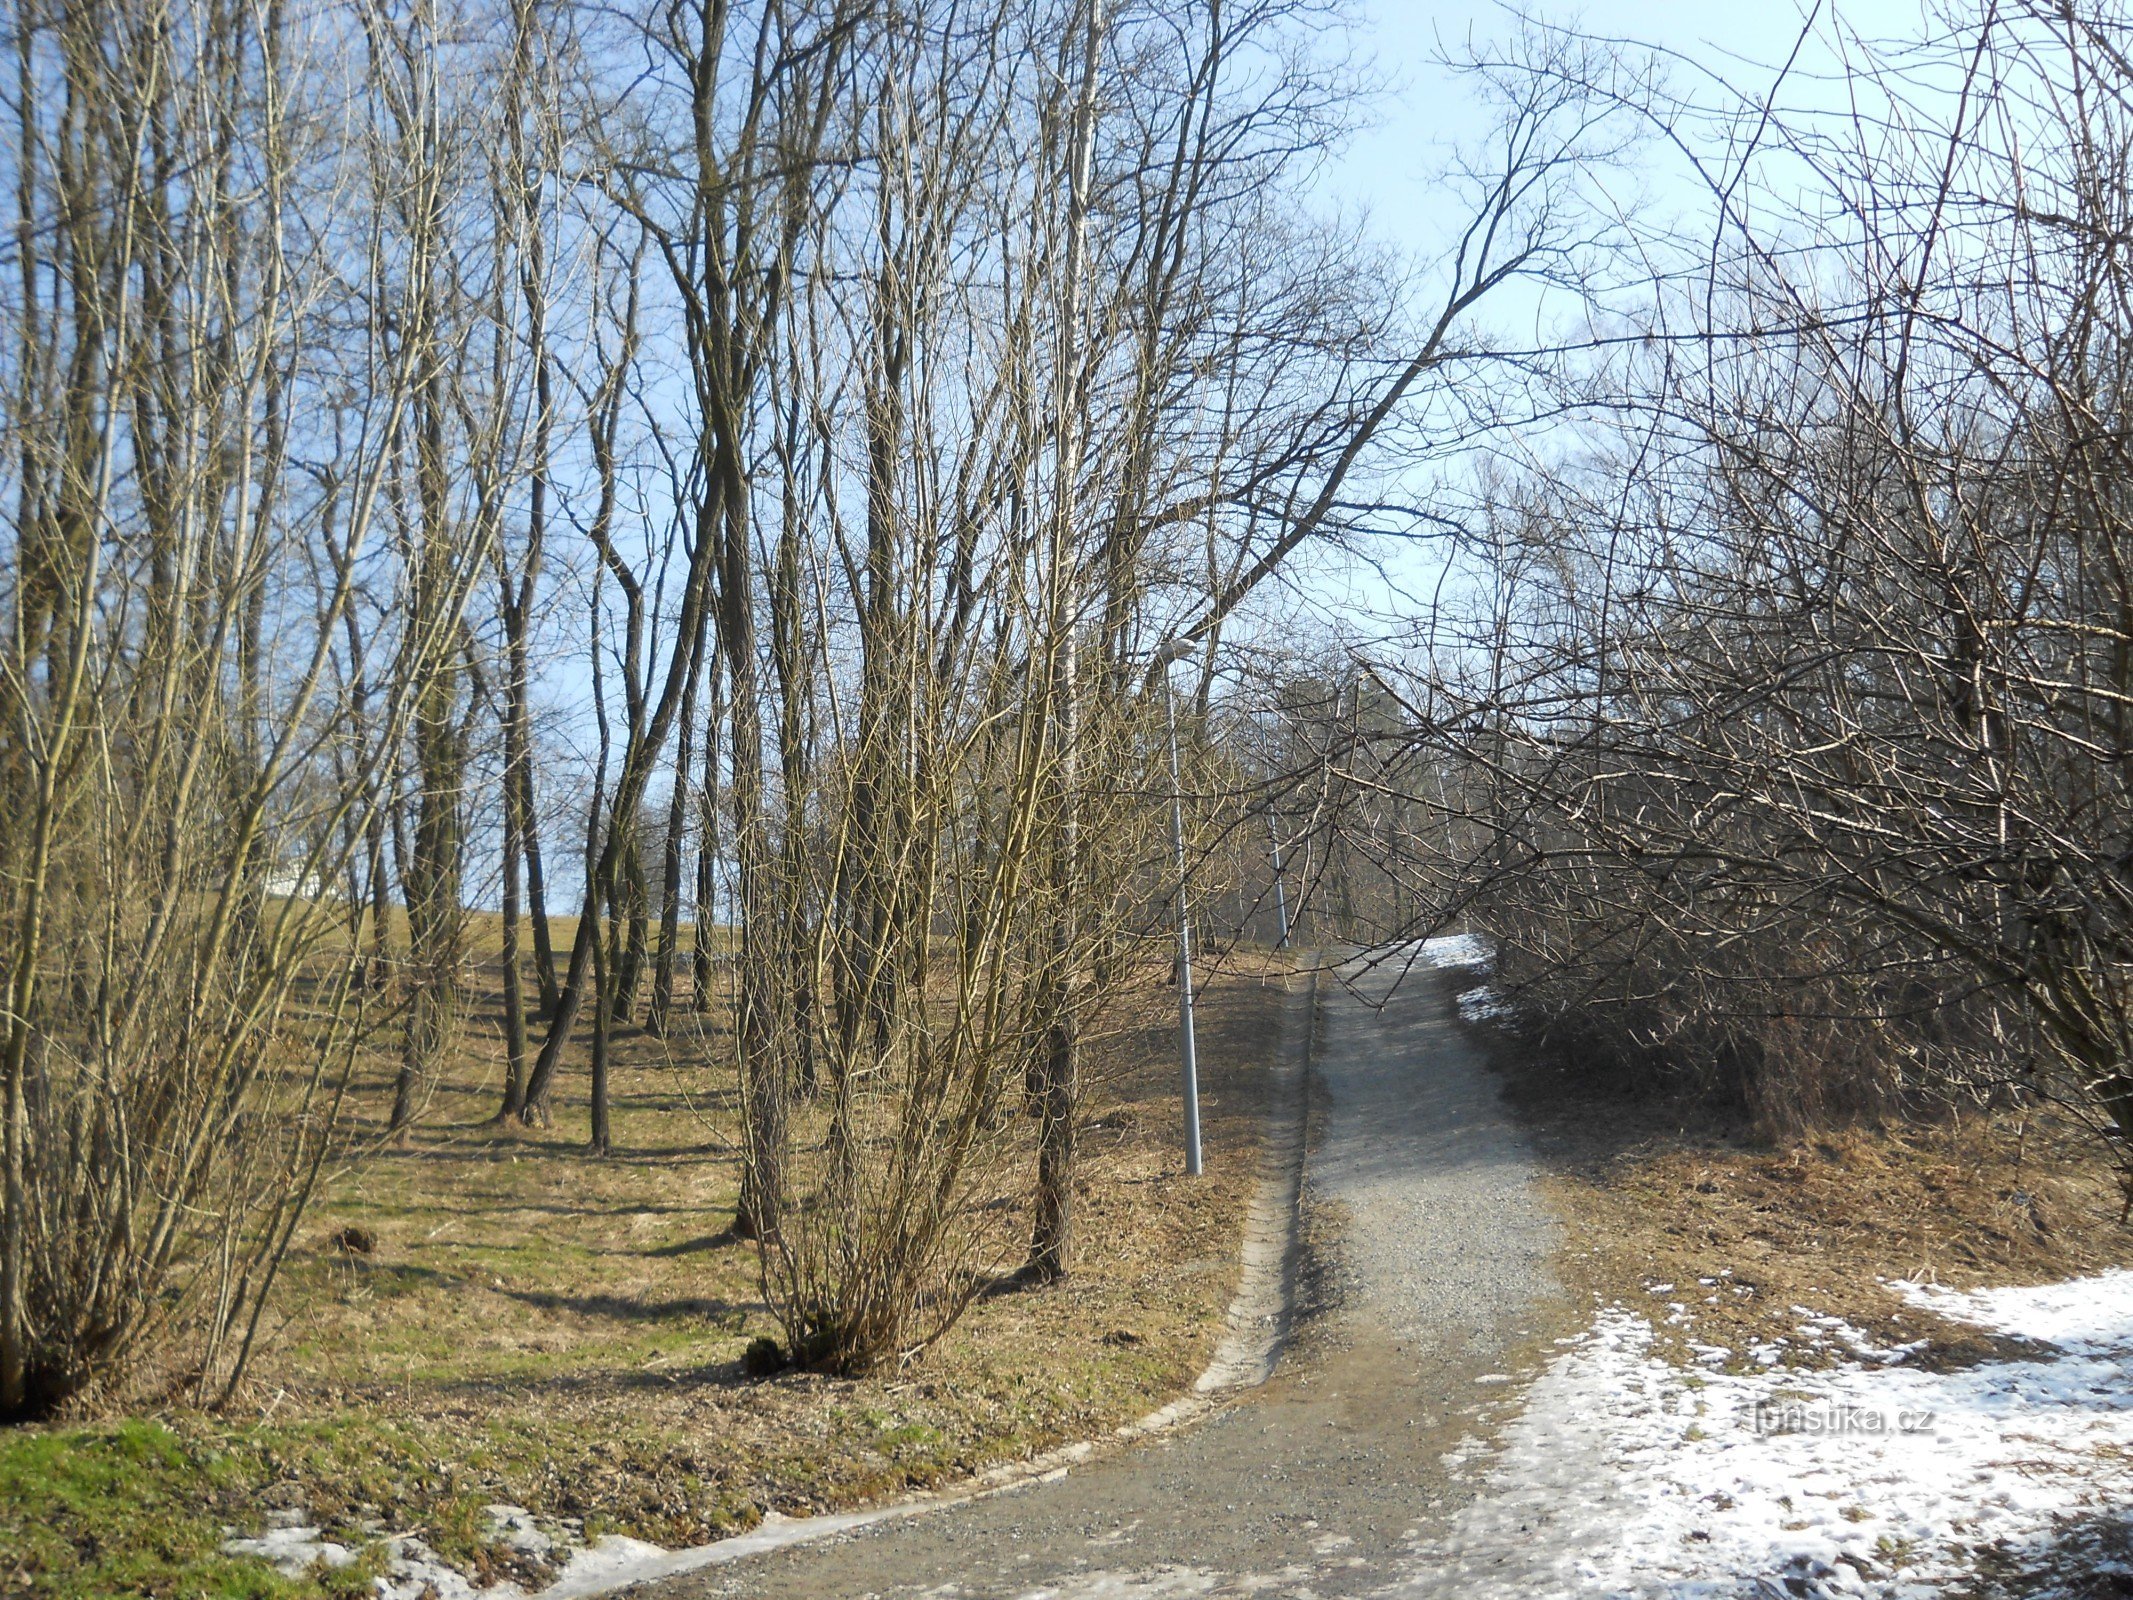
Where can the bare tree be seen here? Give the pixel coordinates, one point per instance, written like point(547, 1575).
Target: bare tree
point(1785, 725)
point(185, 735)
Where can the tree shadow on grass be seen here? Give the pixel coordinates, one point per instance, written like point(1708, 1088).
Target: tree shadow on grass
point(492, 1152)
point(697, 1246)
point(630, 1308)
point(507, 1204)
point(592, 1384)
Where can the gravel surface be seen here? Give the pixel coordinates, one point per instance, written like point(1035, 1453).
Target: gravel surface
point(1430, 1279)
point(1442, 1244)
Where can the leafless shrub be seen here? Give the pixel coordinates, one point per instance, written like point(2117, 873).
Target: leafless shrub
point(1786, 721)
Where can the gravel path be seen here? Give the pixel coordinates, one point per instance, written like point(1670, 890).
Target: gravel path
point(1430, 1262)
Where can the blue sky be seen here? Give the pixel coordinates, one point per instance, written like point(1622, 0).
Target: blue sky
point(1388, 167)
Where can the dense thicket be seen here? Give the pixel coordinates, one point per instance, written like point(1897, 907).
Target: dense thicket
point(1781, 735)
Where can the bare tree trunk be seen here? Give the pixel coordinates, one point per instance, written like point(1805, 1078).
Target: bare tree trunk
point(435, 868)
point(633, 919)
point(678, 811)
point(537, 892)
point(1059, 1099)
point(764, 1089)
point(601, 1139)
point(703, 946)
point(514, 976)
point(434, 871)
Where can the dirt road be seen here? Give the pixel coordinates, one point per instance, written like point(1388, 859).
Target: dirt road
point(1429, 1268)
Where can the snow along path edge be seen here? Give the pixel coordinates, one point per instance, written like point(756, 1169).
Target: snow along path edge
point(1256, 1329)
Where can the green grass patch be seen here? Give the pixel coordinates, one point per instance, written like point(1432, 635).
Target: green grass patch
point(136, 1509)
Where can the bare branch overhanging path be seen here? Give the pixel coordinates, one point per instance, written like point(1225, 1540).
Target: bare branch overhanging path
point(1430, 1250)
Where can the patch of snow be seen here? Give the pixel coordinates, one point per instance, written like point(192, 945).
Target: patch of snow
point(607, 1564)
point(292, 1548)
point(1819, 1330)
point(2086, 1314)
point(413, 1571)
point(1626, 1476)
point(515, 1528)
point(1458, 950)
point(1482, 1005)
point(416, 1572)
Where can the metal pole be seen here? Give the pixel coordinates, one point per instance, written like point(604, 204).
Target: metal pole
point(1281, 903)
point(1187, 1050)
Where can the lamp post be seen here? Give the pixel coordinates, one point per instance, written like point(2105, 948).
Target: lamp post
point(1187, 1050)
point(1281, 903)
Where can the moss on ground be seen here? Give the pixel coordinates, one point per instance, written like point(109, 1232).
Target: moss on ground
point(137, 1508)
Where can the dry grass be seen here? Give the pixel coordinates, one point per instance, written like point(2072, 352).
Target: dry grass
point(519, 1283)
point(538, 1326)
point(1668, 1207)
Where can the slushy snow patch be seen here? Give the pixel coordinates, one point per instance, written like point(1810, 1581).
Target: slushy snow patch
point(1626, 1476)
point(1482, 1005)
point(413, 1571)
point(2087, 1315)
point(1458, 950)
point(292, 1548)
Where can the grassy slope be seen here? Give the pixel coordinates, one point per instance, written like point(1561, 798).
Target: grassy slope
point(546, 1329)
point(1667, 1202)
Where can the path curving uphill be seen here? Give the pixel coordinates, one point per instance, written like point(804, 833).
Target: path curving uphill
point(1429, 1253)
